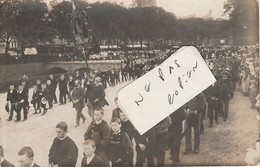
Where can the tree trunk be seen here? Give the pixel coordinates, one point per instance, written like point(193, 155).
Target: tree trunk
point(7, 46)
point(141, 42)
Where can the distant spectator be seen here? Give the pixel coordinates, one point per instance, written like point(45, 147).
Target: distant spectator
point(63, 89)
point(3, 161)
point(11, 100)
point(54, 84)
point(26, 157)
point(25, 78)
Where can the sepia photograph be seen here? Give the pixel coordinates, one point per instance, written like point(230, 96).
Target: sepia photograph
point(133, 83)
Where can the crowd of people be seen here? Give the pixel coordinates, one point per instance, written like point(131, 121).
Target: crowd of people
point(111, 143)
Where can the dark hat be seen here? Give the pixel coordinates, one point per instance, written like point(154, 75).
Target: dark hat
point(7, 109)
point(225, 73)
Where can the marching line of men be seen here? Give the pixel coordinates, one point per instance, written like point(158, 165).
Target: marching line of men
point(111, 144)
point(114, 143)
point(92, 93)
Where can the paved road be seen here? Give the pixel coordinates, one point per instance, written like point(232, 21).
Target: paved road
point(223, 144)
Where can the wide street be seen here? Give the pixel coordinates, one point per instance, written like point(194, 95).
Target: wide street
point(223, 144)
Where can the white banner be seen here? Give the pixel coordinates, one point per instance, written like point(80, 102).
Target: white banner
point(164, 89)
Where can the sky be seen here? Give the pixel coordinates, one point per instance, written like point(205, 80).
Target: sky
point(201, 8)
point(183, 8)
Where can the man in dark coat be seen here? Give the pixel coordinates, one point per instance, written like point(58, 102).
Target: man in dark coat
point(35, 99)
point(77, 96)
point(99, 94)
point(26, 90)
point(212, 94)
point(175, 133)
point(71, 84)
point(120, 148)
point(89, 87)
point(26, 157)
point(194, 109)
point(43, 98)
point(63, 89)
point(50, 93)
point(77, 76)
point(3, 161)
point(226, 90)
point(126, 125)
point(99, 131)
point(21, 103)
point(103, 75)
point(145, 147)
point(11, 100)
point(54, 84)
point(161, 130)
point(63, 152)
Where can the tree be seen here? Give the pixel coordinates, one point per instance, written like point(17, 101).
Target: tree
point(59, 20)
point(243, 17)
point(8, 27)
point(25, 21)
point(110, 21)
point(31, 21)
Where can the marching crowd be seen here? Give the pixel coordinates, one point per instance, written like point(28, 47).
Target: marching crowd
point(111, 143)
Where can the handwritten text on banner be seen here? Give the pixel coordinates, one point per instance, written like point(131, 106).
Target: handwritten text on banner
point(164, 89)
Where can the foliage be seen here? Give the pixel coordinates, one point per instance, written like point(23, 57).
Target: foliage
point(243, 17)
point(30, 22)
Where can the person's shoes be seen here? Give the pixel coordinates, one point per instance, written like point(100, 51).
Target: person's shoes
point(216, 121)
point(17, 120)
point(35, 112)
point(76, 125)
point(61, 103)
point(210, 125)
point(84, 120)
point(9, 119)
point(25, 119)
point(195, 151)
point(44, 112)
point(186, 152)
point(55, 103)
